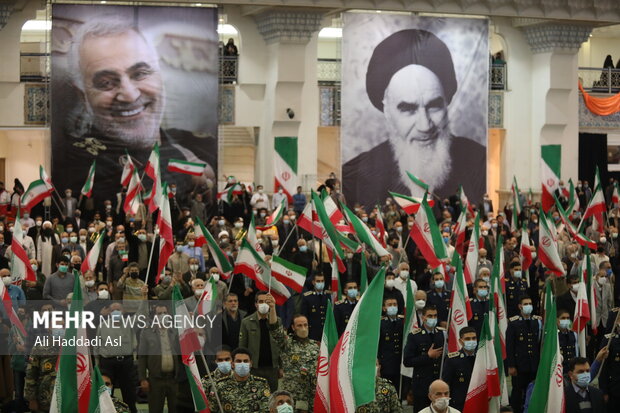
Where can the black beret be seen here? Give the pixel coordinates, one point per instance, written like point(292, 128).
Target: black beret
point(404, 48)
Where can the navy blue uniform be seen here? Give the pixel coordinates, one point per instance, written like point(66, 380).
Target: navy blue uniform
point(523, 353)
point(515, 289)
point(425, 369)
point(609, 379)
point(568, 347)
point(391, 348)
point(457, 370)
point(441, 301)
point(342, 312)
point(479, 309)
point(314, 306)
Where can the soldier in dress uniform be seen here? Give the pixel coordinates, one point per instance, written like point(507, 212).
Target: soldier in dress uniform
point(386, 398)
point(241, 392)
point(344, 307)
point(391, 342)
point(523, 337)
point(423, 352)
point(566, 338)
point(515, 288)
point(459, 365)
point(609, 379)
point(479, 304)
point(299, 356)
point(314, 305)
point(41, 373)
point(439, 297)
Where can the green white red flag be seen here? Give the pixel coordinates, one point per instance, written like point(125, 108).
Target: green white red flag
point(46, 179)
point(473, 250)
point(423, 185)
point(484, 392)
point(164, 223)
point(425, 233)
point(275, 216)
point(497, 303)
point(525, 253)
point(380, 227)
point(227, 194)
point(410, 204)
point(460, 308)
point(582, 316)
point(548, 247)
point(186, 167)
point(577, 236)
point(285, 165)
point(37, 191)
point(596, 206)
point(588, 278)
point(518, 206)
point(132, 198)
point(460, 231)
point(465, 201)
point(328, 342)
point(411, 321)
point(328, 231)
point(352, 371)
point(364, 234)
point(289, 274)
point(253, 239)
point(100, 399)
point(7, 303)
point(251, 264)
point(153, 170)
point(573, 199)
point(548, 393)
point(87, 189)
point(208, 300)
point(221, 260)
point(128, 169)
point(334, 214)
point(90, 262)
point(20, 263)
point(550, 166)
point(615, 196)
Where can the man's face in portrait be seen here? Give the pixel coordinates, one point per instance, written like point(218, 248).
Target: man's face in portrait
point(123, 87)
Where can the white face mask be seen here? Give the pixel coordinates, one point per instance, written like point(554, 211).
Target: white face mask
point(103, 295)
point(403, 274)
point(199, 292)
point(389, 283)
point(419, 304)
point(263, 308)
point(215, 276)
point(89, 283)
point(442, 403)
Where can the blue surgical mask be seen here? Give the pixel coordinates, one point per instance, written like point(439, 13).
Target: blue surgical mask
point(583, 379)
point(303, 248)
point(470, 345)
point(517, 274)
point(352, 292)
point(439, 284)
point(319, 285)
point(64, 240)
point(565, 324)
point(431, 322)
point(63, 268)
point(527, 309)
point(242, 369)
point(285, 408)
point(446, 239)
point(392, 310)
point(224, 367)
point(483, 293)
point(609, 272)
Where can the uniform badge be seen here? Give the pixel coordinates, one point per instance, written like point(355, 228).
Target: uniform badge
point(521, 338)
point(267, 393)
point(384, 390)
point(228, 407)
point(47, 366)
point(253, 389)
point(462, 379)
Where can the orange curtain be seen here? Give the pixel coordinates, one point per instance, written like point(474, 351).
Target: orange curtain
point(601, 106)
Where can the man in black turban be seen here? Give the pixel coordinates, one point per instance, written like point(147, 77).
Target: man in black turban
point(411, 79)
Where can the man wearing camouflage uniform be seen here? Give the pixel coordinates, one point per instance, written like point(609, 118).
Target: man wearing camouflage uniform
point(299, 356)
point(386, 398)
point(241, 392)
point(41, 373)
point(223, 359)
point(120, 406)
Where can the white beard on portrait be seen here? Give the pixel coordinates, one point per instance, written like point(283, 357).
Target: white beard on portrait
point(430, 162)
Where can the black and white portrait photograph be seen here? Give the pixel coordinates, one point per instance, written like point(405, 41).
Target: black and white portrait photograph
point(414, 99)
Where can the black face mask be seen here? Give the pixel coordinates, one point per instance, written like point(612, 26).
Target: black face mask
point(133, 274)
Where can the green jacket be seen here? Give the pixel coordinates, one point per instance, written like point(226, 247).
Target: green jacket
point(249, 337)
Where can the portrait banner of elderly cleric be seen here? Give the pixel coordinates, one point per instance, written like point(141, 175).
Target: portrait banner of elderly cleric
point(414, 98)
point(124, 78)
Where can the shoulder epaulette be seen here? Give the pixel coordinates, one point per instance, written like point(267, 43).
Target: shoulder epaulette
point(223, 378)
point(537, 317)
point(441, 329)
point(339, 302)
point(416, 330)
point(258, 378)
point(307, 293)
point(384, 318)
point(513, 318)
point(401, 316)
point(454, 354)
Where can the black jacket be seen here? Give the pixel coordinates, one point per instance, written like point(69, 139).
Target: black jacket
point(571, 400)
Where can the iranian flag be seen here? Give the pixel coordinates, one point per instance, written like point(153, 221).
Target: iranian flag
point(185, 167)
point(7, 303)
point(471, 260)
point(285, 165)
point(20, 263)
point(615, 196)
point(525, 253)
point(426, 235)
point(516, 210)
point(465, 201)
point(596, 206)
point(548, 393)
point(100, 399)
point(548, 248)
point(582, 316)
point(328, 231)
point(90, 262)
point(46, 179)
point(352, 371)
point(253, 239)
point(409, 204)
point(328, 342)
point(275, 216)
point(550, 167)
point(588, 278)
point(460, 230)
point(87, 189)
point(73, 383)
point(188, 343)
point(153, 171)
point(497, 303)
point(364, 234)
point(128, 169)
point(518, 206)
point(577, 236)
point(166, 240)
point(208, 300)
point(204, 236)
point(250, 264)
point(420, 183)
point(133, 194)
point(335, 216)
point(484, 389)
point(411, 321)
point(381, 227)
point(289, 274)
point(573, 200)
point(37, 191)
point(227, 194)
point(460, 309)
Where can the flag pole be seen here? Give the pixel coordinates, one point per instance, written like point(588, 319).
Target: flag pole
point(148, 267)
point(445, 342)
point(217, 397)
point(608, 343)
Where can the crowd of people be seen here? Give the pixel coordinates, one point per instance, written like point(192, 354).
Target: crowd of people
point(267, 358)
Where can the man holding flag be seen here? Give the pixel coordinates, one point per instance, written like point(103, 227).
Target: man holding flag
point(458, 367)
